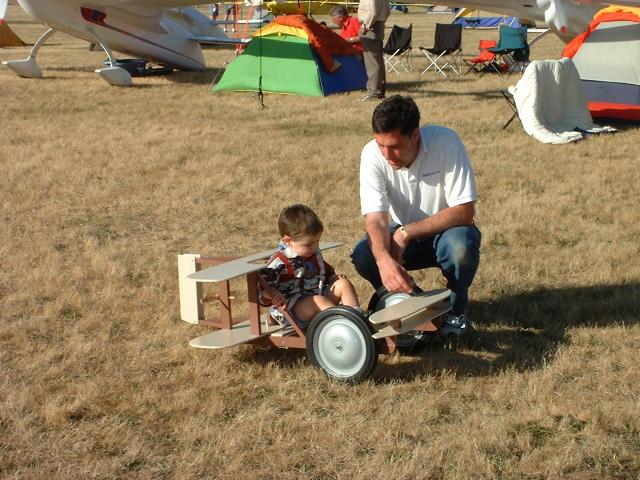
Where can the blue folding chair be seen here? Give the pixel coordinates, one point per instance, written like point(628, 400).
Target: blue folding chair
point(512, 48)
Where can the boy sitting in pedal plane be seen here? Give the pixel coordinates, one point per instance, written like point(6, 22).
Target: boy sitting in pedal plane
point(296, 275)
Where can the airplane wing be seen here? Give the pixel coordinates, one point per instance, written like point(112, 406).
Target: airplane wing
point(149, 3)
point(215, 40)
point(566, 18)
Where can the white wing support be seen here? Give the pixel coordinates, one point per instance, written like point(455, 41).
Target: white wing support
point(28, 67)
point(218, 40)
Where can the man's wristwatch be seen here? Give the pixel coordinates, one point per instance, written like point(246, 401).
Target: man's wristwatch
point(405, 233)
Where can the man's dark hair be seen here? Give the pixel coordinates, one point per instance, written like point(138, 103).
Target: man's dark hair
point(298, 221)
point(396, 113)
point(338, 11)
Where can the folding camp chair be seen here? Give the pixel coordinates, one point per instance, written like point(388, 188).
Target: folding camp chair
point(512, 48)
point(397, 50)
point(484, 60)
point(508, 96)
point(447, 48)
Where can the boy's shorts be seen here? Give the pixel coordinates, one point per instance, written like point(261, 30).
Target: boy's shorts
point(279, 317)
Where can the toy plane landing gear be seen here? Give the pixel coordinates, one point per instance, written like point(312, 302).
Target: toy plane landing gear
point(341, 340)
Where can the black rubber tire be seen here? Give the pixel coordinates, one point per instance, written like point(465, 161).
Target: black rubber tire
point(340, 342)
point(408, 343)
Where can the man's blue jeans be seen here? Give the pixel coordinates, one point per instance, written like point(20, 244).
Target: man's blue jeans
point(455, 251)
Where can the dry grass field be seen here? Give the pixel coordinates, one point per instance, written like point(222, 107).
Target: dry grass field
point(102, 187)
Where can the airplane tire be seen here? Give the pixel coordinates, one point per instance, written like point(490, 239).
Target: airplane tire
point(138, 67)
point(339, 341)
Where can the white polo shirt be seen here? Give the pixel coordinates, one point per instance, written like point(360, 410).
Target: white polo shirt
point(441, 176)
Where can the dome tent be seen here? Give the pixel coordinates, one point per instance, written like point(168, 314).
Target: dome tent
point(296, 55)
point(607, 57)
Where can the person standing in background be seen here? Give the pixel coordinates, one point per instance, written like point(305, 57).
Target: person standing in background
point(372, 15)
point(214, 8)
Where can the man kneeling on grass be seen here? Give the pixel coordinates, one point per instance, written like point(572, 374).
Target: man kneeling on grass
point(423, 179)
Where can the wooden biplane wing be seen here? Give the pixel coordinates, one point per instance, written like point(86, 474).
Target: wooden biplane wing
point(242, 266)
point(240, 333)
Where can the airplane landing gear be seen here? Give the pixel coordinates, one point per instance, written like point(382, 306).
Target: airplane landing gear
point(29, 68)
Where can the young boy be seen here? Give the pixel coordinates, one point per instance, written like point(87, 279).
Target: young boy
point(297, 276)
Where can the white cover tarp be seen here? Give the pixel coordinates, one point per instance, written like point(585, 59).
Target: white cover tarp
point(551, 104)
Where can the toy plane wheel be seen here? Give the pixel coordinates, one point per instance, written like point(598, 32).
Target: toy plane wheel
point(413, 341)
point(339, 341)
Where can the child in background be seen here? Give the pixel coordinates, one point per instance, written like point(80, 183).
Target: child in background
point(296, 275)
point(214, 8)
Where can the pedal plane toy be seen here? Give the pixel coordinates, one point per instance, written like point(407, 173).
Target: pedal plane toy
point(341, 340)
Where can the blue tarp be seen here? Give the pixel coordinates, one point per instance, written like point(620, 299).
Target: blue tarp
point(487, 22)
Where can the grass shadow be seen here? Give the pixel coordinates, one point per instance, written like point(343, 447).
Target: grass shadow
point(201, 77)
point(286, 358)
point(518, 331)
point(417, 90)
point(618, 123)
point(522, 331)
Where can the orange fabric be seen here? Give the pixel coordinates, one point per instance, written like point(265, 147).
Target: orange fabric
point(485, 55)
point(614, 110)
point(484, 44)
point(611, 14)
point(617, 9)
point(324, 41)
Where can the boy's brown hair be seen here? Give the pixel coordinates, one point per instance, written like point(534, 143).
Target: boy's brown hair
point(298, 221)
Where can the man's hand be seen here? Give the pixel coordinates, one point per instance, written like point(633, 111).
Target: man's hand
point(394, 277)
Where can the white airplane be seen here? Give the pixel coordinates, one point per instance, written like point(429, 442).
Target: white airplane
point(565, 18)
point(168, 32)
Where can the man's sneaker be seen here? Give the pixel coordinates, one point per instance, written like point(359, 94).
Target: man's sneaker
point(454, 325)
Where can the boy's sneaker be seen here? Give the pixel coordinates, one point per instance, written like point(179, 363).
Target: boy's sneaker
point(361, 311)
point(454, 325)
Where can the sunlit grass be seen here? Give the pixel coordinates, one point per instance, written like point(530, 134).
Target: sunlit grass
point(102, 188)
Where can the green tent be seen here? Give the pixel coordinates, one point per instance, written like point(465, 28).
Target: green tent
point(287, 63)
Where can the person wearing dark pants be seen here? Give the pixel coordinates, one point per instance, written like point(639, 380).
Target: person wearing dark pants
point(418, 194)
point(372, 14)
